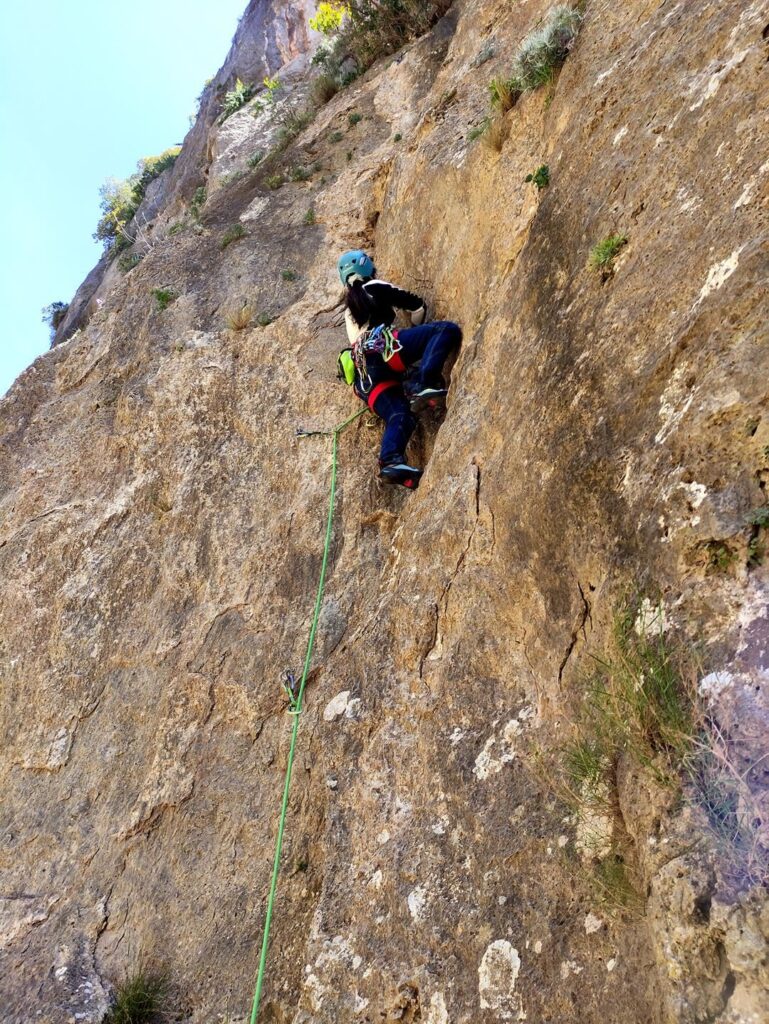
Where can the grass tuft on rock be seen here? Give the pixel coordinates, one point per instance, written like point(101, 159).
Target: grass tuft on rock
point(239, 318)
point(604, 253)
point(503, 94)
point(139, 999)
point(164, 297)
point(232, 234)
point(496, 134)
point(198, 201)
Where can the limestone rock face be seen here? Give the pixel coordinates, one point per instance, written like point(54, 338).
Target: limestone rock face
point(161, 535)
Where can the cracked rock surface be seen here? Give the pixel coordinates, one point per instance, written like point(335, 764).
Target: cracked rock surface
point(161, 536)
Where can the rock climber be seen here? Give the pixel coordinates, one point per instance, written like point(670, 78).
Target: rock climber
point(397, 372)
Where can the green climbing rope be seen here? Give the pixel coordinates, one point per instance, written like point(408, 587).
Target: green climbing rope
point(296, 704)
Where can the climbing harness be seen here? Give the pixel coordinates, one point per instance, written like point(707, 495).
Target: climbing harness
point(381, 340)
point(295, 695)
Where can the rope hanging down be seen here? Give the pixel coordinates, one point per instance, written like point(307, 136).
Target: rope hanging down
point(296, 703)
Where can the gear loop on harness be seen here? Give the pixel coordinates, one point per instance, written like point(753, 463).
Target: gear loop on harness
point(381, 340)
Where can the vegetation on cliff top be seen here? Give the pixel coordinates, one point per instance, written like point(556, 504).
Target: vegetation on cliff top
point(53, 314)
point(120, 199)
point(364, 30)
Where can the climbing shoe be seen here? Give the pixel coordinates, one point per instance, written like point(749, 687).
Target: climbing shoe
point(400, 473)
point(427, 398)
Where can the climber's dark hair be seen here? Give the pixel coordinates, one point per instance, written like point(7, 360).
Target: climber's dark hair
point(359, 302)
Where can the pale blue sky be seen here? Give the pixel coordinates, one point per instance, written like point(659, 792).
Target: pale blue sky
point(86, 89)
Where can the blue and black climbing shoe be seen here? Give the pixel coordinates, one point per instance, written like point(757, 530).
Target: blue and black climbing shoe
point(427, 398)
point(400, 473)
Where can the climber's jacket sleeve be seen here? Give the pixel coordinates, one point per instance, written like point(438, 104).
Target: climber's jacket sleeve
point(385, 294)
point(385, 299)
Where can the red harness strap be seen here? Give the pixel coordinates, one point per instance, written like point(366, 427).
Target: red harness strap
point(377, 390)
point(396, 363)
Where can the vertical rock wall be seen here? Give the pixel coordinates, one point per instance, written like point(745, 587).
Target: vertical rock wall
point(161, 539)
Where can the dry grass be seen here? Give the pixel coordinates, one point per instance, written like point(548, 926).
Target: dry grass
point(504, 94)
point(496, 133)
point(324, 87)
point(239, 318)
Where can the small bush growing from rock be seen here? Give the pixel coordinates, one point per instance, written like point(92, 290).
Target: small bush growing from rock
point(236, 98)
point(139, 1000)
point(275, 181)
point(299, 173)
point(354, 118)
point(397, 137)
point(372, 28)
point(603, 254)
point(328, 18)
point(54, 313)
point(720, 556)
point(759, 517)
point(232, 234)
point(540, 177)
point(289, 275)
point(336, 137)
point(128, 260)
point(256, 158)
point(198, 201)
point(164, 297)
point(545, 49)
point(309, 217)
point(292, 122)
point(238, 319)
point(265, 319)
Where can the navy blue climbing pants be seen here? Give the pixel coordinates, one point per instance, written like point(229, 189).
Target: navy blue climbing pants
point(431, 343)
point(392, 406)
point(427, 344)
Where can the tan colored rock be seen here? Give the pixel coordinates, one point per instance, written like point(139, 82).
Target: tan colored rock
point(161, 533)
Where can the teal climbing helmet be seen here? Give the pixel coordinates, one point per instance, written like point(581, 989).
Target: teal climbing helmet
point(355, 262)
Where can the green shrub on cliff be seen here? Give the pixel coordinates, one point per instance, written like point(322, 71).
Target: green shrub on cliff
point(368, 29)
point(164, 297)
point(540, 177)
point(54, 313)
point(236, 98)
point(120, 199)
point(233, 233)
point(545, 49)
